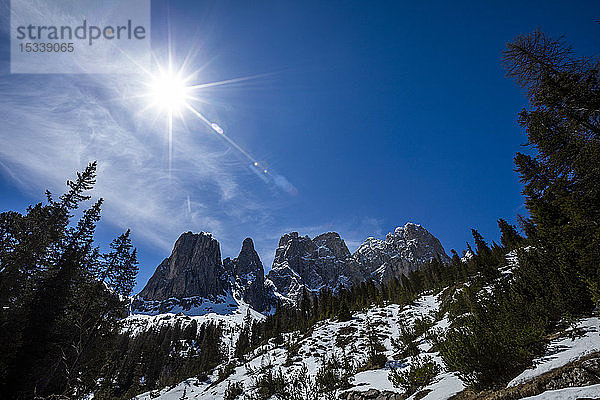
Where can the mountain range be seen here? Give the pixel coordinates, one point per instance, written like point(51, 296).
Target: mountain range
point(195, 280)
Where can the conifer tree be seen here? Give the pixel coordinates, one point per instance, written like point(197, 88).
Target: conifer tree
point(58, 318)
point(561, 177)
point(509, 237)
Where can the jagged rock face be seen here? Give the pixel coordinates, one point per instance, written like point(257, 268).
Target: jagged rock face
point(324, 261)
point(193, 269)
point(248, 276)
point(403, 251)
point(372, 252)
point(415, 244)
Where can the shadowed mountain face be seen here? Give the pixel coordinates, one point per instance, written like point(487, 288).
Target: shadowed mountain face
point(248, 277)
point(193, 269)
point(194, 275)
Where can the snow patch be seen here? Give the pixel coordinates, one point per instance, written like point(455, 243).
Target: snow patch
point(564, 350)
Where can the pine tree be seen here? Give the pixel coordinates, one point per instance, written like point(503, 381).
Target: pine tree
point(561, 177)
point(376, 358)
point(57, 319)
point(509, 237)
point(344, 313)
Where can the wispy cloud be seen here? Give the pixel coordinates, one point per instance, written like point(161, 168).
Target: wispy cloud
point(55, 125)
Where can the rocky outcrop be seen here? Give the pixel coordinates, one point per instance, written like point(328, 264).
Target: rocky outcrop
point(193, 275)
point(194, 268)
point(371, 394)
point(248, 277)
point(403, 251)
point(324, 261)
point(300, 261)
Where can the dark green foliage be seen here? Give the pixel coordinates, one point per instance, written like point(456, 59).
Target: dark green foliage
point(159, 357)
point(561, 176)
point(332, 376)
point(421, 372)
point(499, 325)
point(244, 342)
point(295, 386)
point(233, 391)
point(405, 344)
point(226, 371)
point(271, 383)
point(422, 325)
point(344, 313)
point(496, 340)
point(502, 327)
point(360, 296)
point(375, 357)
point(509, 237)
point(60, 295)
point(433, 275)
point(302, 386)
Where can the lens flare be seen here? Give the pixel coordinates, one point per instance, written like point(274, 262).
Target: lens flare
point(168, 92)
point(171, 91)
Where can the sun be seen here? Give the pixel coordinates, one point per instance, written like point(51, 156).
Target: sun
point(172, 93)
point(169, 92)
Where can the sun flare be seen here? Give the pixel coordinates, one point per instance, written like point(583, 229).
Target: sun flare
point(168, 92)
point(171, 92)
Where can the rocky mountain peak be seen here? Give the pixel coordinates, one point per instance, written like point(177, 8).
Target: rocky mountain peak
point(194, 268)
point(247, 262)
point(248, 276)
point(301, 262)
point(415, 244)
point(403, 251)
point(247, 246)
point(332, 243)
point(325, 261)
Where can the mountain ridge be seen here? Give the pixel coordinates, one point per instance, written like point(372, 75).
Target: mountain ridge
point(194, 273)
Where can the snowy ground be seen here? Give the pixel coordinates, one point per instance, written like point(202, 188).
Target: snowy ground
point(321, 344)
point(574, 393)
point(231, 321)
point(563, 350)
point(349, 339)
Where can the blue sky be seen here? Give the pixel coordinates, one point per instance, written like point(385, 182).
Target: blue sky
point(369, 115)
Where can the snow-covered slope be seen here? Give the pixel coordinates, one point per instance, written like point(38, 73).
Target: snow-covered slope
point(348, 341)
point(335, 339)
point(230, 318)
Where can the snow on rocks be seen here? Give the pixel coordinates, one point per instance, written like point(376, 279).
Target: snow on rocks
point(333, 339)
point(572, 393)
point(563, 350)
point(231, 320)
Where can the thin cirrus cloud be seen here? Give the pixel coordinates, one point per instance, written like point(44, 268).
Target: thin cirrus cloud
point(55, 125)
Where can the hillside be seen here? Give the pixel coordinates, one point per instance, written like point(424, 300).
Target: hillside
point(348, 342)
point(333, 358)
